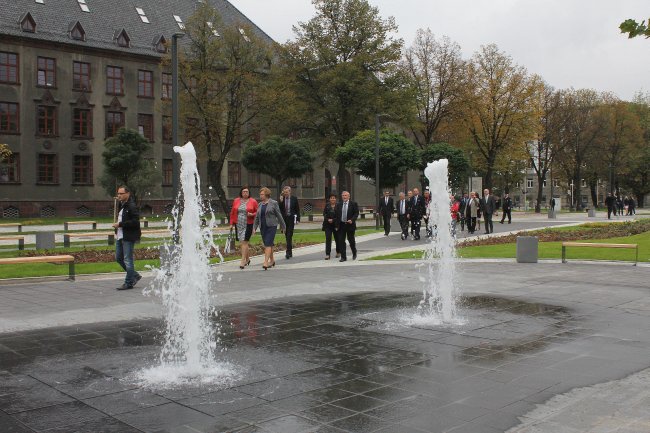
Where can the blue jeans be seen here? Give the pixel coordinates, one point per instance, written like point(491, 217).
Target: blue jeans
point(124, 257)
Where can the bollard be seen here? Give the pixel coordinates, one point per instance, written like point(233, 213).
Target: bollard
point(527, 249)
point(45, 241)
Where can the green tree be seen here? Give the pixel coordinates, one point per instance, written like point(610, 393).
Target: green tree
point(636, 174)
point(343, 69)
point(634, 28)
point(458, 162)
point(223, 70)
point(280, 158)
point(125, 164)
point(397, 155)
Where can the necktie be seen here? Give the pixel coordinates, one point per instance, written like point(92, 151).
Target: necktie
point(344, 215)
point(386, 201)
point(287, 203)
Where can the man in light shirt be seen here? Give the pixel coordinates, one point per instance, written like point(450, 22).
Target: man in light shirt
point(127, 233)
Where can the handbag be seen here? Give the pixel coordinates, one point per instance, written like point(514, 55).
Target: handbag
point(230, 241)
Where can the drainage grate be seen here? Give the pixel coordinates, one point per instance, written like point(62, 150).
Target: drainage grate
point(10, 212)
point(83, 211)
point(47, 212)
point(308, 207)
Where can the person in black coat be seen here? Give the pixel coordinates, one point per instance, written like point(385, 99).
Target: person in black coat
point(416, 212)
point(402, 209)
point(610, 202)
point(291, 213)
point(329, 227)
point(506, 207)
point(488, 207)
point(386, 211)
point(127, 233)
point(347, 213)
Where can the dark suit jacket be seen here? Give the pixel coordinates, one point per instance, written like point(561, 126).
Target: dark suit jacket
point(417, 208)
point(292, 202)
point(353, 214)
point(507, 204)
point(329, 213)
point(407, 206)
point(490, 206)
point(386, 209)
point(130, 221)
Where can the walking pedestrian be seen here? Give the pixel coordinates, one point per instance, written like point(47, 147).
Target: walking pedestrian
point(347, 213)
point(463, 210)
point(472, 212)
point(416, 212)
point(291, 215)
point(267, 218)
point(242, 217)
point(488, 207)
point(454, 208)
point(506, 207)
point(386, 211)
point(127, 233)
point(402, 211)
point(329, 227)
point(610, 202)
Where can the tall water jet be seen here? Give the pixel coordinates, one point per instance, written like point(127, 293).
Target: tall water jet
point(183, 283)
point(439, 292)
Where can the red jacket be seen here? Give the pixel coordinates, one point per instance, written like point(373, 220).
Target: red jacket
point(251, 207)
point(454, 210)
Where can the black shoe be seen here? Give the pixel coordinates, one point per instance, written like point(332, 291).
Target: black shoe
point(137, 278)
point(125, 287)
point(500, 222)
point(343, 259)
point(354, 256)
point(287, 257)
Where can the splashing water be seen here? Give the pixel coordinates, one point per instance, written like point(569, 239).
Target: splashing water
point(439, 292)
point(183, 283)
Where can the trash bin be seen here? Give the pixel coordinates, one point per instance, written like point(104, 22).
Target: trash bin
point(527, 249)
point(45, 241)
point(591, 212)
point(551, 214)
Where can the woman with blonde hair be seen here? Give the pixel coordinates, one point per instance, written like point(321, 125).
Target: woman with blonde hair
point(242, 216)
point(267, 219)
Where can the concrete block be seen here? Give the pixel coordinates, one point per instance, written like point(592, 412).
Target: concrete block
point(45, 241)
point(527, 249)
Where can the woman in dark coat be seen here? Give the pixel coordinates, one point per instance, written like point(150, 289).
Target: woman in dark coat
point(329, 227)
point(267, 219)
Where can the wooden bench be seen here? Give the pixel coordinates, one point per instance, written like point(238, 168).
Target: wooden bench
point(67, 224)
point(19, 225)
point(366, 211)
point(20, 239)
point(68, 236)
point(154, 232)
point(599, 245)
point(43, 259)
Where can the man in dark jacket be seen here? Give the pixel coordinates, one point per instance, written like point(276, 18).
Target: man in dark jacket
point(386, 210)
point(506, 207)
point(127, 233)
point(416, 212)
point(291, 213)
point(610, 202)
point(347, 212)
point(488, 207)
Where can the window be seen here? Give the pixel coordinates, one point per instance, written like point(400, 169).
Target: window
point(234, 173)
point(48, 170)
point(9, 118)
point(46, 75)
point(161, 45)
point(308, 180)
point(544, 183)
point(166, 86)
point(46, 120)
point(167, 129)
point(80, 76)
point(145, 126)
point(179, 21)
point(114, 80)
point(82, 123)
point(114, 121)
point(82, 169)
point(123, 39)
point(583, 183)
point(77, 32)
point(142, 15)
point(10, 169)
point(254, 179)
point(145, 84)
point(168, 171)
point(8, 68)
point(83, 5)
point(28, 24)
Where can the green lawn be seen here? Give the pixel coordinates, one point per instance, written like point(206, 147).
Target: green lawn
point(47, 269)
point(551, 250)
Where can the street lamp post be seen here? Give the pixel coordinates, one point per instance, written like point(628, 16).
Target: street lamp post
point(377, 189)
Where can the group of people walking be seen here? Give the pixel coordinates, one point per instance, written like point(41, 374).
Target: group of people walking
point(620, 205)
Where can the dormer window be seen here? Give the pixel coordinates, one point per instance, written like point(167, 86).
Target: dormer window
point(160, 44)
point(142, 15)
point(179, 22)
point(77, 32)
point(211, 27)
point(123, 39)
point(83, 5)
point(27, 23)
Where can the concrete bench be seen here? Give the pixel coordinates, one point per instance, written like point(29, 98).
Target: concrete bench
point(67, 224)
point(20, 239)
point(366, 211)
point(599, 245)
point(19, 225)
point(110, 236)
point(43, 259)
point(156, 232)
point(145, 223)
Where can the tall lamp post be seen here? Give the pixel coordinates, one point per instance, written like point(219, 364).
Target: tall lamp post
point(377, 190)
point(175, 115)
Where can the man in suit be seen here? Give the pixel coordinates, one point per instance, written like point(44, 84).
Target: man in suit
point(610, 202)
point(402, 210)
point(506, 207)
point(386, 211)
point(416, 212)
point(488, 206)
point(291, 213)
point(347, 213)
point(463, 210)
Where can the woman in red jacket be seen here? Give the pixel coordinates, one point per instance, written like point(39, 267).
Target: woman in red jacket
point(242, 215)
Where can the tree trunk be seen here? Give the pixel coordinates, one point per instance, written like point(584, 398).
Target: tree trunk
point(215, 169)
point(341, 179)
point(594, 196)
point(639, 199)
point(540, 192)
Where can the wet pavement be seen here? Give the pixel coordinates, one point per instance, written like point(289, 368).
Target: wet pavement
point(344, 363)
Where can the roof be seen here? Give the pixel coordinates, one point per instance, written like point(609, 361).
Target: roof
point(106, 18)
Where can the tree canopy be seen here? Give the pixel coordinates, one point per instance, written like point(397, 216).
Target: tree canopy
point(280, 158)
point(634, 28)
point(397, 155)
point(458, 162)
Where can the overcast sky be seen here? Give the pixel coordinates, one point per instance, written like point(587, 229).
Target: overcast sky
point(570, 43)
